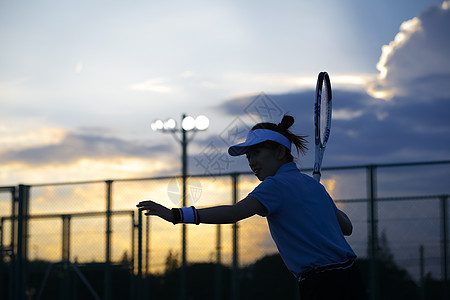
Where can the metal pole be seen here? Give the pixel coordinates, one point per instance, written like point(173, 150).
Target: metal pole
point(107, 281)
point(183, 285)
point(235, 272)
point(13, 243)
point(218, 277)
point(65, 281)
point(66, 237)
point(2, 228)
point(147, 246)
point(444, 255)
point(133, 243)
point(3, 252)
point(147, 258)
point(422, 273)
point(139, 274)
point(133, 289)
point(17, 282)
point(373, 230)
point(22, 242)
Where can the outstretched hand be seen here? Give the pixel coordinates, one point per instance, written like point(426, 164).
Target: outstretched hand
point(155, 209)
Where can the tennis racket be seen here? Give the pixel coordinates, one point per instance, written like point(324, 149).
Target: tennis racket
point(322, 120)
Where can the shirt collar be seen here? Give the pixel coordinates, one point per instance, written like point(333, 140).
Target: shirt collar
point(286, 168)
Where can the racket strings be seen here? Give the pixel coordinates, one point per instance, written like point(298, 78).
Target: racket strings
point(325, 107)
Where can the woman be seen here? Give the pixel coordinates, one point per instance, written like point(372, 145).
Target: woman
point(304, 222)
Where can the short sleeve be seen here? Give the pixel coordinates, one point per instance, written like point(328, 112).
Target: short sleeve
point(268, 193)
point(330, 200)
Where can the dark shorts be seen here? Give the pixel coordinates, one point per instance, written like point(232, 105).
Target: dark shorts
point(333, 283)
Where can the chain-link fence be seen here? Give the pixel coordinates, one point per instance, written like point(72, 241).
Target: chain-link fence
point(86, 239)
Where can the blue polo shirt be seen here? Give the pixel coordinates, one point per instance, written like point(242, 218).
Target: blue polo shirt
point(302, 220)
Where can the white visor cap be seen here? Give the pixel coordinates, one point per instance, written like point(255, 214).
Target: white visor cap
point(258, 136)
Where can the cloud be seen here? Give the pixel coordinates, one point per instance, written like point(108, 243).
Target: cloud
point(365, 129)
point(346, 114)
point(12, 90)
point(88, 154)
point(74, 147)
point(417, 62)
point(280, 82)
point(187, 74)
point(156, 85)
point(14, 136)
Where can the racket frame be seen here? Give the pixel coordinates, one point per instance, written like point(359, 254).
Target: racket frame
point(320, 145)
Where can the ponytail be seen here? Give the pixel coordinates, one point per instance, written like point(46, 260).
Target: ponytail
point(283, 127)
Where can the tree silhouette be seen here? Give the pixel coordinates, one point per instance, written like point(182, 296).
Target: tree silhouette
point(172, 262)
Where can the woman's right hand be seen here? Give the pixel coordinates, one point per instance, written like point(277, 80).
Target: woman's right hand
point(155, 209)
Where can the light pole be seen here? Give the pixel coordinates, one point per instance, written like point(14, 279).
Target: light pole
point(188, 124)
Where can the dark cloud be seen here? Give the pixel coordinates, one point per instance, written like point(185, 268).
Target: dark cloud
point(76, 146)
point(368, 130)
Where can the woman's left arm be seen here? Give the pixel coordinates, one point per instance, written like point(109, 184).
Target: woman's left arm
point(344, 222)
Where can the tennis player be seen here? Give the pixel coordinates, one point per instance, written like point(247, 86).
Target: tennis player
point(304, 222)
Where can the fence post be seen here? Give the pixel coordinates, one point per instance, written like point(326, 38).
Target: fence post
point(133, 292)
point(372, 217)
point(22, 242)
point(235, 272)
point(147, 246)
point(2, 254)
point(107, 281)
point(444, 255)
point(139, 258)
point(13, 243)
point(218, 277)
point(65, 281)
point(5, 250)
point(146, 290)
point(65, 237)
point(422, 273)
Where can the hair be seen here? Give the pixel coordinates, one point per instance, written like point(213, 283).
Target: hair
point(283, 128)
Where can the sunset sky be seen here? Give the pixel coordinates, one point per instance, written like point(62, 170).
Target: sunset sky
point(81, 83)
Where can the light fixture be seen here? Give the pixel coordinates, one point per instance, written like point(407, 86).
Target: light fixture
point(188, 123)
point(170, 124)
point(157, 125)
point(201, 122)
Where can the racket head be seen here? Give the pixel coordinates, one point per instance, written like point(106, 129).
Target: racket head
point(322, 109)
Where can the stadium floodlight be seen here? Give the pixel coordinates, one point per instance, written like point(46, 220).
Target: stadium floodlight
point(201, 122)
point(188, 123)
point(158, 125)
point(170, 124)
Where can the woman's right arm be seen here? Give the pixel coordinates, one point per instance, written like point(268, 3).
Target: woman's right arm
point(224, 214)
point(227, 214)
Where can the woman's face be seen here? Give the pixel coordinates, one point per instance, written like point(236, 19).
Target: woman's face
point(263, 161)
